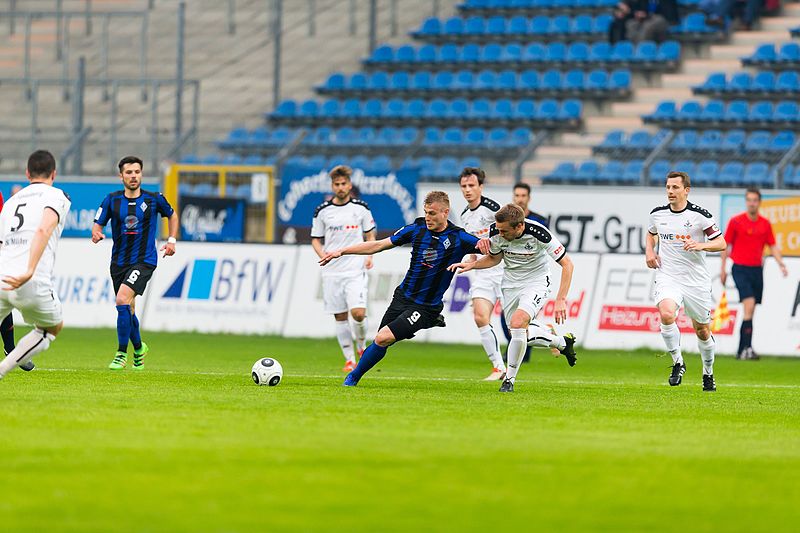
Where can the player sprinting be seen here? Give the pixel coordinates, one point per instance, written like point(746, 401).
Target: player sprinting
point(524, 245)
point(340, 222)
point(436, 244)
point(485, 288)
point(134, 214)
point(30, 227)
point(685, 231)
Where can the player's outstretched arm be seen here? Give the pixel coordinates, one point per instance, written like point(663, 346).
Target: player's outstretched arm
point(169, 246)
point(38, 244)
point(560, 309)
point(487, 261)
point(362, 248)
point(650, 255)
point(97, 233)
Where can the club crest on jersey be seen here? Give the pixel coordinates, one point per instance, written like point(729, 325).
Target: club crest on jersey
point(687, 224)
point(446, 243)
point(144, 206)
point(131, 222)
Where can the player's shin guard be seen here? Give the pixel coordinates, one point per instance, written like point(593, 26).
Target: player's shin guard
point(7, 331)
point(491, 346)
point(541, 336)
point(516, 350)
point(345, 339)
point(31, 344)
point(707, 348)
point(371, 357)
point(123, 327)
point(672, 339)
point(136, 336)
point(360, 333)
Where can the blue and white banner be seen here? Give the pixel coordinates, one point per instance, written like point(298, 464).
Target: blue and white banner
point(206, 219)
point(85, 197)
point(391, 196)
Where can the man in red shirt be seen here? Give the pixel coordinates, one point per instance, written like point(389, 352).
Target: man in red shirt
point(747, 234)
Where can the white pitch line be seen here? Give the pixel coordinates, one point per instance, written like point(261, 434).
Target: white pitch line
point(443, 379)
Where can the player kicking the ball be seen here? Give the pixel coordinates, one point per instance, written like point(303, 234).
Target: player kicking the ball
point(30, 227)
point(417, 301)
point(524, 245)
point(685, 231)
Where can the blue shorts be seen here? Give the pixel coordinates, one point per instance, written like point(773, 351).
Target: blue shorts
point(749, 281)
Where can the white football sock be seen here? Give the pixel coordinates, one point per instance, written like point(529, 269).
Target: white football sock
point(539, 335)
point(516, 351)
point(672, 338)
point(345, 339)
point(31, 344)
point(491, 346)
point(707, 348)
point(360, 333)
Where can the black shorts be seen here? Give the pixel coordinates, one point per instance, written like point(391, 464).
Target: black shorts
point(406, 317)
point(134, 276)
point(749, 281)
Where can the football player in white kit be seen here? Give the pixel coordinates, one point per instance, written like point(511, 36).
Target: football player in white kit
point(685, 231)
point(485, 288)
point(30, 226)
point(343, 221)
point(524, 246)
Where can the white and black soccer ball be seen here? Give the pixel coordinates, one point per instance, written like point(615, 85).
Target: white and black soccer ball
point(267, 371)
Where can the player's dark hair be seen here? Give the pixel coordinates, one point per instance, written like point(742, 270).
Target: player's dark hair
point(511, 213)
point(41, 164)
point(682, 175)
point(753, 190)
point(473, 171)
point(127, 160)
point(341, 171)
point(437, 197)
point(520, 185)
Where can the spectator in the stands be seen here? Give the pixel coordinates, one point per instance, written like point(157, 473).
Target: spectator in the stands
point(722, 12)
point(616, 30)
point(651, 20)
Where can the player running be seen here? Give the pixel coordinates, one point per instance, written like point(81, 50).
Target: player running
point(133, 213)
point(524, 245)
point(485, 287)
point(340, 222)
point(435, 243)
point(685, 231)
point(30, 226)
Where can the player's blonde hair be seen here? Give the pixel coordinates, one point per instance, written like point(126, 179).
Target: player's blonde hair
point(682, 175)
point(341, 171)
point(511, 213)
point(439, 197)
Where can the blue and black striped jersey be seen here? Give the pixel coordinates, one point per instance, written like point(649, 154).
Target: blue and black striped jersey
point(133, 225)
point(432, 252)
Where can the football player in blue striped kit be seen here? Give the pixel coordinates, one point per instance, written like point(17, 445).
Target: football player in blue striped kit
point(133, 213)
point(436, 244)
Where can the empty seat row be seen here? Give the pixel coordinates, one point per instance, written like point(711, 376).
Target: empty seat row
point(694, 26)
point(366, 136)
point(757, 114)
point(705, 173)
point(698, 143)
point(500, 5)
point(229, 159)
point(795, 32)
point(646, 54)
point(381, 163)
point(480, 28)
point(496, 137)
point(761, 84)
point(441, 169)
point(209, 189)
point(486, 80)
point(458, 110)
point(768, 55)
point(242, 138)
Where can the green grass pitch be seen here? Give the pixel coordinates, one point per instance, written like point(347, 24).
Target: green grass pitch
point(191, 444)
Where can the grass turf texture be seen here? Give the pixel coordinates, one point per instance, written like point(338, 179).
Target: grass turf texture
point(191, 444)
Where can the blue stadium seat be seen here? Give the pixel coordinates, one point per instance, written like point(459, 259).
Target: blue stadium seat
point(399, 81)
point(633, 172)
point(190, 159)
point(564, 172)
point(551, 81)
point(786, 112)
point(497, 137)
point(491, 53)
point(520, 137)
point(598, 81)
point(610, 173)
point(310, 108)
point(535, 52)
point(471, 53)
point(622, 52)
point(475, 26)
point(548, 110)
point(432, 136)
point(437, 109)
point(763, 83)
point(658, 170)
point(458, 109)
point(620, 80)
point(582, 24)
point(758, 141)
point(529, 80)
point(525, 110)
point(757, 174)
point(556, 52)
point(706, 173)
point(430, 26)
point(358, 81)
point(335, 82)
point(421, 81)
point(559, 25)
point(669, 51)
point(469, 161)
point(573, 81)
point(737, 111)
point(587, 171)
point(287, 108)
point(665, 111)
point(517, 26)
point(639, 139)
point(486, 79)
point(646, 51)
point(443, 80)
point(764, 53)
point(496, 26)
point(690, 111)
point(740, 83)
point(540, 25)
point(782, 141)
point(503, 110)
point(578, 52)
point(480, 109)
point(405, 54)
point(710, 141)
point(685, 140)
point(394, 108)
point(570, 110)
point(463, 80)
point(506, 81)
point(378, 81)
point(600, 52)
point(715, 83)
point(761, 112)
point(788, 81)
point(427, 54)
point(731, 173)
point(381, 54)
point(789, 54)
point(204, 189)
point(614, 139)
point(449, 53)
point(475, 136)
point(733, 141)
point(685, 165)
point(453, 137)
point(415, 110)
point(453, 26)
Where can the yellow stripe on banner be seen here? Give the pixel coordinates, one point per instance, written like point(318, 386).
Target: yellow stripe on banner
point(784, 214)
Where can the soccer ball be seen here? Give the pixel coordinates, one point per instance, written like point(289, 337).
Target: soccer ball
point(267, 371)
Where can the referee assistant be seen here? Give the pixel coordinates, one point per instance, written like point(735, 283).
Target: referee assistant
point(747, 234)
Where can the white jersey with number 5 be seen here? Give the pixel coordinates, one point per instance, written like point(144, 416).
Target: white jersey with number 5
point(673, 228)
point(21, 217)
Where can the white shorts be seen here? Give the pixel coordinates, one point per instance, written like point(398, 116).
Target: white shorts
point(36, 300)
point(530, 298)
point(698, 303)
point(486, 284)
point(342, 293)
